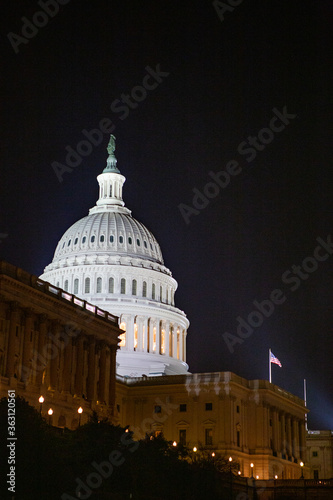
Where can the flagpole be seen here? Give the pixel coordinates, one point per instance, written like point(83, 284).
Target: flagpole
point(270, 365)
point(306, 416)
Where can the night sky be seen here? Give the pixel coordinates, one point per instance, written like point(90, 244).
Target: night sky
point(224, 73)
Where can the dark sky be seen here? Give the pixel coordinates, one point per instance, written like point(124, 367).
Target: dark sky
point(223, 80)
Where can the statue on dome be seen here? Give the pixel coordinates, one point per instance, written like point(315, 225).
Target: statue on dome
point(112, 145)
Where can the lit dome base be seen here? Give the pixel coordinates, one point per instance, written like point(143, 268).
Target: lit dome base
point(138, 364)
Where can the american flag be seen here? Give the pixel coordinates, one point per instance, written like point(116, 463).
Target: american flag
point(275, 360)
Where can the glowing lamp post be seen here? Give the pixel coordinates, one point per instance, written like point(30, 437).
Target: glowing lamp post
point(41, 401)
point(174, 443)
point(251, 465)
point(230, 472)
point(80, 410)
point(50, 413)
point(302, 465)
point(195, 449)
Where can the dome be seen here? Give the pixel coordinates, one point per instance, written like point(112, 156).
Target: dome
point(111, 260)
point(108, 234)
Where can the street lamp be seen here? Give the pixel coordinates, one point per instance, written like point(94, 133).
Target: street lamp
point(195, 449)
point(251, 465)
point(174, 443)
point(50, 413)
point(41, 401)
point(302, 465)
point(213, 454)
point(230, 472)
point(80, 410)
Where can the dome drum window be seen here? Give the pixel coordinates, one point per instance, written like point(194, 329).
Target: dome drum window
point(76, 286)
point(111, 285)
point(134, 286)
point(87, 285)
point(99, 285)
point(121, 239)
point(92, 239)
point(129, 240)
point(111, 238)
point(123, 286)
point(84, 239)
point(101, 238)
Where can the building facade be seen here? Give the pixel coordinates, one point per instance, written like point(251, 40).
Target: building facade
point(251, 421)
point(320, 454)
point(54, 345)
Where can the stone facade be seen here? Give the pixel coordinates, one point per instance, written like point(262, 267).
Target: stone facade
point(252, 421)
point(54, 345)
point(320, 454)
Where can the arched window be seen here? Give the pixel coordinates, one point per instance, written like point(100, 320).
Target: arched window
point(99, 285)
point(134, 287)
point(66, 286)
point(75, 241)
point(111, 238)
point(87, 285)
point(144, 289)
point(76, 286)
point(138, 242)
point(123, 286)
point(92, 239)
point(121, 239)
point(101, 238)
point(69, 242)
point(84, 239)
point(161, 294)
point(153, 291)
point(145, 244)
point(129, 240)
point(111, 285)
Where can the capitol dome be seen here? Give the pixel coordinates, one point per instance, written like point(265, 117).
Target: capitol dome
point(113, 261)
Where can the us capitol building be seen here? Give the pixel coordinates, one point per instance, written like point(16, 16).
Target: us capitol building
point(106, 307)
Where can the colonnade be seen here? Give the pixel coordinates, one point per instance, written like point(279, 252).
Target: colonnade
point(153, 335)
point(55, 356)
point(287, 435)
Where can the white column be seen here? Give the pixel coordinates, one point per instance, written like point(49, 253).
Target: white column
point(181, 334)
point(151, 334)
point(129, 333)
point(158, 336)
point(166, 337)
point(174, 341)
point(139, 323)
point(145, 334)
